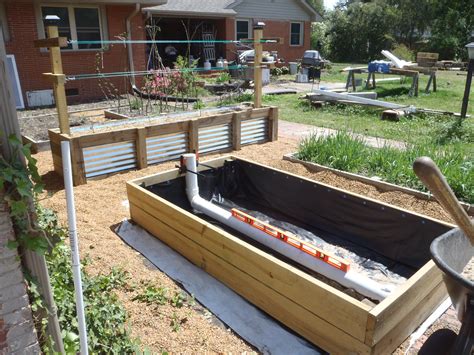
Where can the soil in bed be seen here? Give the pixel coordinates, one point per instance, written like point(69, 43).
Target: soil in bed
point(101, 204)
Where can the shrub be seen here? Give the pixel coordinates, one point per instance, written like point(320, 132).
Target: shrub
point(403, 52)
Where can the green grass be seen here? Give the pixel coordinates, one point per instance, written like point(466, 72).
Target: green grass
point(346, 152)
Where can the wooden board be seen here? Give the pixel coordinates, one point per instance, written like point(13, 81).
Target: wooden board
point(311, 293)
point(274, 303)
point(338, 323)
point(139, 135)
point(379, 184)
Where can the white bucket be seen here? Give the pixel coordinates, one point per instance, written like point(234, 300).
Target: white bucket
point(293, 68)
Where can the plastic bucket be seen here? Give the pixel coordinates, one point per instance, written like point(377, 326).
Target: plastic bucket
point(293, 68)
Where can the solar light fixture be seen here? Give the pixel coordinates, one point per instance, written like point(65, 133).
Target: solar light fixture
point(470, 50)
point(470, 71)
point(51, 20)
point(259, 25)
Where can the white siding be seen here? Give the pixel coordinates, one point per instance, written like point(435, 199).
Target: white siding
point(272, 10)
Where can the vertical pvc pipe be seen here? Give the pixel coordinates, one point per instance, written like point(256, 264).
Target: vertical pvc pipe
point(76, 263)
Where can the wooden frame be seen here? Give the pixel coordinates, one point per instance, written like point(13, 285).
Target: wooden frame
point(322, 314)
point(379, 184)
point(232, 128)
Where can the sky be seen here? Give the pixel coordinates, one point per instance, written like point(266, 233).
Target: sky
point(329, 4)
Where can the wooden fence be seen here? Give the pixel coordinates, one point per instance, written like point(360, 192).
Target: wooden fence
point(103, 153)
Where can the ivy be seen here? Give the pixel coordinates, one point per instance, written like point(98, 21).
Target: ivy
point(21, 183)
point(106, 318)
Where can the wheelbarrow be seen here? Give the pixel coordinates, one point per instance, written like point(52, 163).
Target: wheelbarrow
point(451, 252)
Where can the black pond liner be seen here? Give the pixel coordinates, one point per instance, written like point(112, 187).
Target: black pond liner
point(387, 236)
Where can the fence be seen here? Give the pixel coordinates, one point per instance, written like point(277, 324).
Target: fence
point(102, 153)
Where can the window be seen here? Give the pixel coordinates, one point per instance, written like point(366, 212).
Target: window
point(77, 23)
point(242, 29)
point(296, 34)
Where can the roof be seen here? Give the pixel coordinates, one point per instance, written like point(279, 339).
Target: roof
point(214, 8)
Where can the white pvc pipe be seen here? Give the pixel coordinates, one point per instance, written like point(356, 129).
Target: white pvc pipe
point(350, 279)
point(76, 263)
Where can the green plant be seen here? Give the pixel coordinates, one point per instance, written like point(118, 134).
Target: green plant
point(178, 300)
point(223, 78)
point(346, 152)
point(403, 52)
point(198, 105)
point(176, 322)
point(106, 318)
point(21, 184)
point(152, 295)
point(135, 103)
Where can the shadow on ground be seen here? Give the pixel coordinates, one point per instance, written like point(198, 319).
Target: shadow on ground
point(53, 182)
point(384, 92)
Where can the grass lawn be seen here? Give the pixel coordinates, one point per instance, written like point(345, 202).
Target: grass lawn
point(366, 120)
point(447, 139)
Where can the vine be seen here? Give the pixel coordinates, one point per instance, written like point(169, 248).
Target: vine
point(21, 182)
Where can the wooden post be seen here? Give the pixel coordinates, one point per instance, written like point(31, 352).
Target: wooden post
point(273, 124)
point(194, 136)
point(236, 130)
point(58, 86)
point(257, 37)
point(77, 162)
point(142, 160)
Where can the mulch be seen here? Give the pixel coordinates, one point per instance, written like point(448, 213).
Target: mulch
point(100, 206)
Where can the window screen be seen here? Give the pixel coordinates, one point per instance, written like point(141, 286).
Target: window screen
point(295, 34)
point(87, 26)
point(242, 30)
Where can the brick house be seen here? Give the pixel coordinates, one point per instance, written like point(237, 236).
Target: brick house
point(22, 22)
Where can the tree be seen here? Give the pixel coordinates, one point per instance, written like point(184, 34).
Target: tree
point(358, 30)
point(452, 28)
point(318, 5)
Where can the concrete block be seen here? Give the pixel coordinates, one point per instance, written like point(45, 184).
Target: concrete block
point(12, 278)
point(14, 304)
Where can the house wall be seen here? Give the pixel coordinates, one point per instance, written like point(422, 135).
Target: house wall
point(32, 62)
point(272, 10)
point(273, 28)
point(17, 330)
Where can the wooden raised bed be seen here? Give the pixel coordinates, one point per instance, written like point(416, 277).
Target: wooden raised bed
point(379, 184)
point(100, 153)
point(320, 313)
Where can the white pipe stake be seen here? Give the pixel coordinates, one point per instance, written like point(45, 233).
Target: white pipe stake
point(76, 262)
point(350, 279)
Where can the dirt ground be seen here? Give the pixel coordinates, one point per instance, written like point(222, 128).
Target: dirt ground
point(100, 206)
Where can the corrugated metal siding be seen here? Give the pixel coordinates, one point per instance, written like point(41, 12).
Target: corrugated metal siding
point(109, 158)
point(272, 10)
point(215, 138)
point(254, 131)
point(167, 147)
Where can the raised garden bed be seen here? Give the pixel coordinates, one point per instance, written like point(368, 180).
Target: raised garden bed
point(317, 311)
point(379, 184)
point(134, 144)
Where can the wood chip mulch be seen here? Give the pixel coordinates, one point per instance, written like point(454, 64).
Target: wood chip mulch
point(100, 207)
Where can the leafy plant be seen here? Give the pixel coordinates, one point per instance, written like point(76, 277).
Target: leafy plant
point(152, 295)
point(22, 183)
point(176, 322)
point(346, 152)
point(106, 318)
point(198, 105)
point(223, 78)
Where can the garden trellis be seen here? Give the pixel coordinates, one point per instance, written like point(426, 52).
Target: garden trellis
point(137, 143)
